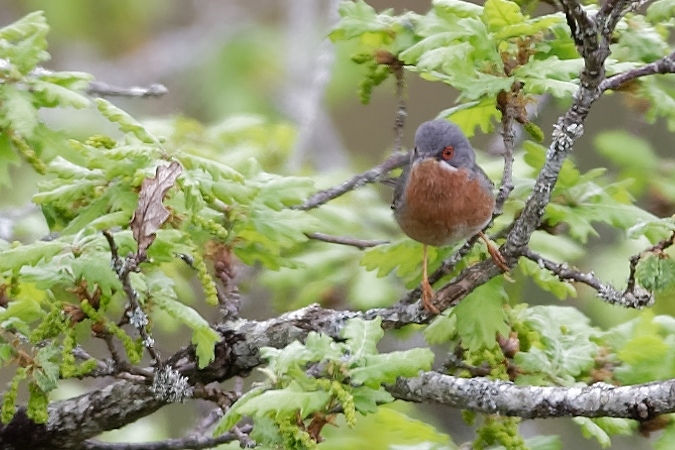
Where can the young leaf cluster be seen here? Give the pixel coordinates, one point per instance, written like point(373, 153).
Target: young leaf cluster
point(482, 51)
point(223, 202)
point(25, 89)
point(308, 384)
point(581, 200)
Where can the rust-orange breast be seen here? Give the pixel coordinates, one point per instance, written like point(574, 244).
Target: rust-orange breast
point(443, 205)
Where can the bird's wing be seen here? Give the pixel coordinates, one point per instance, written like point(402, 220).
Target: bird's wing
point(398, 188)
point(483, 176)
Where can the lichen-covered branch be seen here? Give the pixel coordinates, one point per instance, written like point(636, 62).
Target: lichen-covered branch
point(567, 130)
point(640, 402)
point(632, 297)
point(86, 416)
point(137, 317)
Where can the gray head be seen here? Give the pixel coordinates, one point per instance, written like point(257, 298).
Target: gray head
point(444, 141)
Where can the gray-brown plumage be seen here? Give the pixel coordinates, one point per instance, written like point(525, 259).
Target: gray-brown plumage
point(443, 196)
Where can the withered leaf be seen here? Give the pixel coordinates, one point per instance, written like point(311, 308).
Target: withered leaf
point(150, 214)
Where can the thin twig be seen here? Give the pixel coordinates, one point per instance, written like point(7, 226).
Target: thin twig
point(243, 437)
point(633, 297)
point(208, 421)
point(83, 355)
point(137, 317)
point(101, 89)
point(611, 12)
point(656, 248)
point(663, 65)
point(120, 363)
point(361, 244)
point(509, 113)
point(370, 176)
point(191, 443)
point(401, 111)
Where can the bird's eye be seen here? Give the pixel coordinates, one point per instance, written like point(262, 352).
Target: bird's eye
point(448, 152)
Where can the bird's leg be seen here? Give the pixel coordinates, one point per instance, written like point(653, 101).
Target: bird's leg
point(494, 253)
point(427, 290)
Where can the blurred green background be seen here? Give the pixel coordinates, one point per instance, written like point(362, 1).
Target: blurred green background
point(270, 59)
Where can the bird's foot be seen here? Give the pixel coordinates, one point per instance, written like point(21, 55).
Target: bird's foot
point(496, 256)
point(427, 297)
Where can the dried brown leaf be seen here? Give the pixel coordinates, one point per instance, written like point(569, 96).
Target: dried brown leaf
point(150, 213)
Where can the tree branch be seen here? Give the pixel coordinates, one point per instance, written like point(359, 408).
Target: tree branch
point(401, 112)
point(640, 402)
point(370, 176)
point(611, 12)
point(136, 315)
point(74, 420)
point(663, 65)
point(86, 416)
point(101, 89)
point(566, 132)
point(632, 297)
point(582, 27)
point(509, 136)
point(192, 443)
point(361, 244)
point(635, 259)
point(568, 128)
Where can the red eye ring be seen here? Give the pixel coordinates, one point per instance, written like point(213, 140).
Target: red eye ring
point(448, 152)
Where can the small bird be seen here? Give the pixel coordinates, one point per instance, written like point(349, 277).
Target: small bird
point(443, 196)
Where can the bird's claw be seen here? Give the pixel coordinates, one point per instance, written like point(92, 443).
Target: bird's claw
point(498, 258)
point(495, 254)
point(427, 297)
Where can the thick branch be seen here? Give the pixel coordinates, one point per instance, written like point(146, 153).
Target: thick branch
point(74, 420)
point(639, 402)
point(569, 127)
point(84, 417)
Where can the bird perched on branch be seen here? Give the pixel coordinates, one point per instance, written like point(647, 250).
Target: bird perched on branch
point(443, 196)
